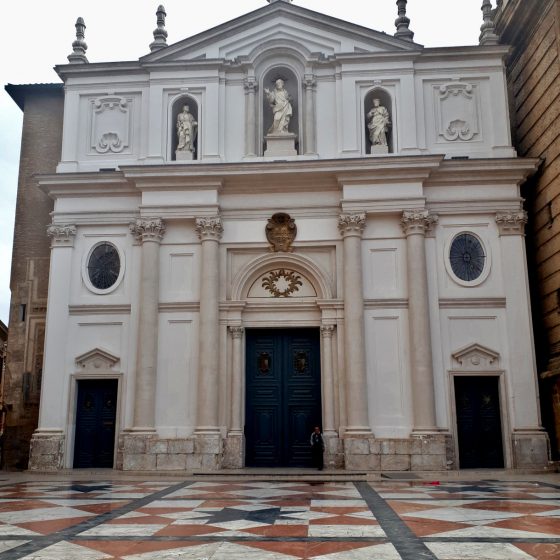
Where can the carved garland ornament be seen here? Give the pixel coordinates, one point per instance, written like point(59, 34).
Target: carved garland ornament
point(282, 283)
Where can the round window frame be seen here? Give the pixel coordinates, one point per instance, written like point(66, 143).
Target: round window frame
point(487, 261)
point(85, 272)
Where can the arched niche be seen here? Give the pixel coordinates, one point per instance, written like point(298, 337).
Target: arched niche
point(177, 108)
point(291, 84)
point(385, 101)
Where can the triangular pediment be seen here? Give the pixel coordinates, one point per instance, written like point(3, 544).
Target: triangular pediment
point(96, 359)
point(281, 23)
point(476, 357)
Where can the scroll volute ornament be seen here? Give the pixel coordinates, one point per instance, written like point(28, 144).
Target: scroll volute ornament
point(281, 231)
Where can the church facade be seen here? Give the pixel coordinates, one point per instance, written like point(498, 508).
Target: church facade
point(288, 221)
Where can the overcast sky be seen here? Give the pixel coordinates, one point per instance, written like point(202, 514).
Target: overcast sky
point(38, 34)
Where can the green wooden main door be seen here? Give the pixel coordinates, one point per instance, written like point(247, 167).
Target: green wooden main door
point(283, 396)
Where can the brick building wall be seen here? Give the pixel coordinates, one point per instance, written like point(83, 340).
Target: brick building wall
point(533, 31)
point(40, 152)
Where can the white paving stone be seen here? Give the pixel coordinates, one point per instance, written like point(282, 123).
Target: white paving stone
point(345, 531)
point(66, 551)
point(376, 552)
point(477, 551)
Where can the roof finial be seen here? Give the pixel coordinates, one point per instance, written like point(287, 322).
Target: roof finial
point(78, 56)
point(402, 23)
point(487, 31)
point(272, 1)
point(160, 33)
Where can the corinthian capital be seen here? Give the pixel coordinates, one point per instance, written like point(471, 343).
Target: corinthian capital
point(327, 331)
point(250, 85)
point(511, 223)
point(236, 332)
point(351, 224)
point(61, 235)
point(209, 228)
point(417, 221)
point(148, 229)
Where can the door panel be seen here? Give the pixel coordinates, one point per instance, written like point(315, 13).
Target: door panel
point(479, 426)
point(95, 423)
point(283, 400)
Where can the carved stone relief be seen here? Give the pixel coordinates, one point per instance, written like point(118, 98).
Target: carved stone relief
point(96, 359)
point(457, 111)
point(111, 122)
point(476, 357)
point(281, 230)
point(282, 283)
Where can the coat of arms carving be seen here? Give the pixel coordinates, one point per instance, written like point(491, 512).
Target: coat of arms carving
point(281, 231)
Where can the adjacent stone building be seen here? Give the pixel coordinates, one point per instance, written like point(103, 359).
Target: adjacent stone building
point(284, 221)
point(533, 70)
point(42, 106)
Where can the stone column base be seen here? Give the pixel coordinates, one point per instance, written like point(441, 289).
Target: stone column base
point(46, 452)
point(234, 451)
point(333, 457)
point(421, 453)
point(531, 449)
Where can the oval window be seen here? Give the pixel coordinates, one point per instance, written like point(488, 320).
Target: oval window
point(104, 266)
point(467, 257)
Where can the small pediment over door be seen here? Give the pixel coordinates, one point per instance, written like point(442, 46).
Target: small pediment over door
point(96, 360)
point(476, 357)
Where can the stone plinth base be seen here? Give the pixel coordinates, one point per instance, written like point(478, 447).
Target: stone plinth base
point(422, 453)
point(379, 150)
point(280, 145)
point(141, 452)
point(234, 451)
point(333, 457)
point(531, 449)
point(183, 155)
point(46, 452)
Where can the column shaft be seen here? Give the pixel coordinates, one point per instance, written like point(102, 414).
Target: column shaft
point(250, 118)
point(351, 227)
point(309, 115)
point(415, 224)
point(236, 385)
point(328, 381)
point(150, 232)
point(209, 231)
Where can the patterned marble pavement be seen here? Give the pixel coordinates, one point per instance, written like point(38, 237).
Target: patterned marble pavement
point(162, 520)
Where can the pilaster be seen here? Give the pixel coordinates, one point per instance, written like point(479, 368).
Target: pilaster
point(251, 87)
point(310, 85)
point(529, 440)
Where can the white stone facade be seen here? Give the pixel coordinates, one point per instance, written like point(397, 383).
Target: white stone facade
point(371, 252)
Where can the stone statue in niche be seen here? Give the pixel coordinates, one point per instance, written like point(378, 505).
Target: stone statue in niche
point(280, 102)
point(279, 140)
point(378, 126)
point(186, 134)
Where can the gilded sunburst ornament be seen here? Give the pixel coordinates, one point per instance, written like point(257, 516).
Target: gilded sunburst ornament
point(282, 283)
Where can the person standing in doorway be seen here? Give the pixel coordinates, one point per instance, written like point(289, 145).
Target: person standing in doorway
point(317, 448)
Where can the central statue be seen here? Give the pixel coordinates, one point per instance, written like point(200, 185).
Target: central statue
point(280, 103)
